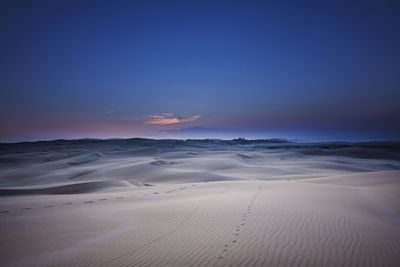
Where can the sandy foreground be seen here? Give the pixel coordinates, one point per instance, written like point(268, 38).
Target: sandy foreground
point(174, 204)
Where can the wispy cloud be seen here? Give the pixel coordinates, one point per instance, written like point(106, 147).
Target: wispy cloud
point(100, 112)
point(93, 113)
point(169, 118)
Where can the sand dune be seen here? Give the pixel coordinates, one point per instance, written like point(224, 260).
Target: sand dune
point(140, 203)
point(364, 179)
point(141, 160)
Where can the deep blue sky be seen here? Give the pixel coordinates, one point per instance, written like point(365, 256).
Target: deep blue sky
point(297, 69)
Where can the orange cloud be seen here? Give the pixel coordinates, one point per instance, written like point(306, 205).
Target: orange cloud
point(168, 118)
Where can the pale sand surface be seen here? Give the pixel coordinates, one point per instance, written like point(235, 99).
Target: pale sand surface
point(199, 205)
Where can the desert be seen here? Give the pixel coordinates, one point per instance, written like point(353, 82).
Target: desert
point(143, 202)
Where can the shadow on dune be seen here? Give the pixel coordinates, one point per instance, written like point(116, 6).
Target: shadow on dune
point(78, 188)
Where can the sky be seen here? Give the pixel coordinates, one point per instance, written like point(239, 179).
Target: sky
point(307, 70)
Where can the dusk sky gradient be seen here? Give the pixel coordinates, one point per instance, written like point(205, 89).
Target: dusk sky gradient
point(313, 70)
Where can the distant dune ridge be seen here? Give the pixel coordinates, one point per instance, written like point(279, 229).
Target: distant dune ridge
point(144, 202)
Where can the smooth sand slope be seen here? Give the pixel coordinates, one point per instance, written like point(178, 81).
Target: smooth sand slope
point(199, 204)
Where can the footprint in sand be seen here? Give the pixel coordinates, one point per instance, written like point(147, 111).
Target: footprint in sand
point(4, 211)
point(90, 201)
point(48, 206)
point(245, 215)
point(102, 199)
point(69, 203)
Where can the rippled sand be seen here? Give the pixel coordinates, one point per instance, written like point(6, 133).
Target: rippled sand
point(147, 203)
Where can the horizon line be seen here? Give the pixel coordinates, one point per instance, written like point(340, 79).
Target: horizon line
point(276, 139)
